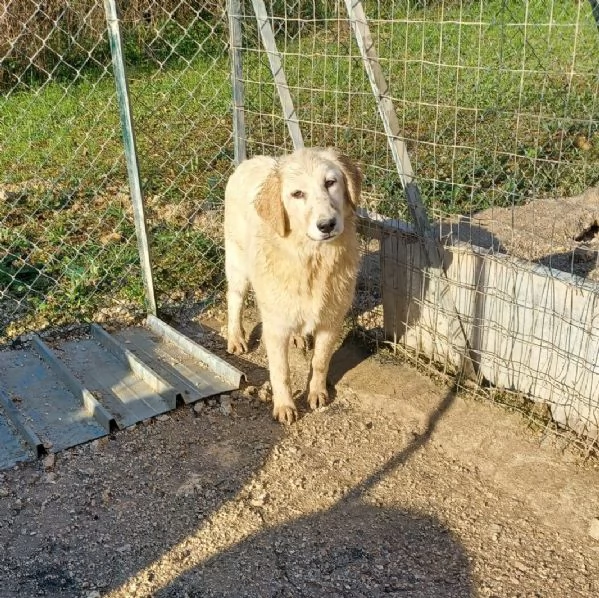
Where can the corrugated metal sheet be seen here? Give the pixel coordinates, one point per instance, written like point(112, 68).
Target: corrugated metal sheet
point(52, 398)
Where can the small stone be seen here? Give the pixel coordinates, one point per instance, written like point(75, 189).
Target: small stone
point(225, 405)
point(521, 566)
point(199, 407)
point(49, 461)
point(93, 594)
point(259, 500)
point(594, 529)
point(163, 418)
point(250, 391)
point(124, 548)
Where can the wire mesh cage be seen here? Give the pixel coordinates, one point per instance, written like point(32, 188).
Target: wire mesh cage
point(496, 104)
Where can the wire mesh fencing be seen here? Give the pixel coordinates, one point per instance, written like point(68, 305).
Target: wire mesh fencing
point(67, 247)
point(497, 103)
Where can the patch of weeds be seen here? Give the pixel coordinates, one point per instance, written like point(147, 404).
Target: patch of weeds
point(201, 267)
point(18, 278)
point(170, 43)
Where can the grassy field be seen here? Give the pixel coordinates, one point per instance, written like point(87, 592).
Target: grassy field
point(498, 102)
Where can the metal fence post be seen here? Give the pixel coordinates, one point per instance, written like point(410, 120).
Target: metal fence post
point(433, 247)
point(276, 67)
point(235, 47)
point(116, 49)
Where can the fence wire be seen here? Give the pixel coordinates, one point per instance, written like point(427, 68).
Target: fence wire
point(67, 247)
point(497, 101)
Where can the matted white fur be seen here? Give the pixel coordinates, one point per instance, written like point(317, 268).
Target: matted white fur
point(290, 232)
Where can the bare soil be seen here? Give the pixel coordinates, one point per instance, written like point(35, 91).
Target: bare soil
point(399, 487)
point(562, 233)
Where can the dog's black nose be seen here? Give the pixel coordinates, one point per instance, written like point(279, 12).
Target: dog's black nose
point(326, 226)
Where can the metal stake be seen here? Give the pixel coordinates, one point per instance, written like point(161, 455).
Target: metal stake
point(116, 49)
point(235, 46)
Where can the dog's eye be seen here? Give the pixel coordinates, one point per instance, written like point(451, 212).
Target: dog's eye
point(329, 183)
point(298, 194)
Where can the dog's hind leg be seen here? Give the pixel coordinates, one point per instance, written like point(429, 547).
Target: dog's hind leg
point(237, 285)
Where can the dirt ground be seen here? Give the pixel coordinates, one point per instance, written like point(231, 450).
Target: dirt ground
point(397, 488)
point(562, 232)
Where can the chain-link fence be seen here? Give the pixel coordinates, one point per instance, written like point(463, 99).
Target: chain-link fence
point(65, 231)
point(68, 250)
point(497, 102)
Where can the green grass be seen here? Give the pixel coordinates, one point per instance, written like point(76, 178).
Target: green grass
point(493, 113)
point(67, 243)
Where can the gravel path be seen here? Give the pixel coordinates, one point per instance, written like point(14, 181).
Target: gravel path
point(398, 488)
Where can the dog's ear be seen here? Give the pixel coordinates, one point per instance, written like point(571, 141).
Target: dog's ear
point(353, 178)
point(269, 204)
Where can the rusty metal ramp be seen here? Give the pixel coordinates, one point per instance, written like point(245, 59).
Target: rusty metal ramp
point(67, 392)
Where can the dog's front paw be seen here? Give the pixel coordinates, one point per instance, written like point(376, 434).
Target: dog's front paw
point(286, 413)
point(236, 344)
point(318, 399)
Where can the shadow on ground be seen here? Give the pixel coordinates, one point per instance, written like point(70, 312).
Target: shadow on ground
point(109, 510)
point(352, 550)
point(356, 548)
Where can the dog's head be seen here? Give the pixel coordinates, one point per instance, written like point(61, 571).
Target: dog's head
point(311, 192)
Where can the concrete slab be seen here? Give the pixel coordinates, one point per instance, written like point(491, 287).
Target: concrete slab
point(534, 330)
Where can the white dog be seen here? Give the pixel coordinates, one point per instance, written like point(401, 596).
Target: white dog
point(290, 232)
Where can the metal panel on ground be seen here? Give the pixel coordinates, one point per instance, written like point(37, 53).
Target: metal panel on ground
point(60, 394)
point(192, 378)
point(19, 425)
point(129, 398)
point(12, 447)
point(45, 403)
